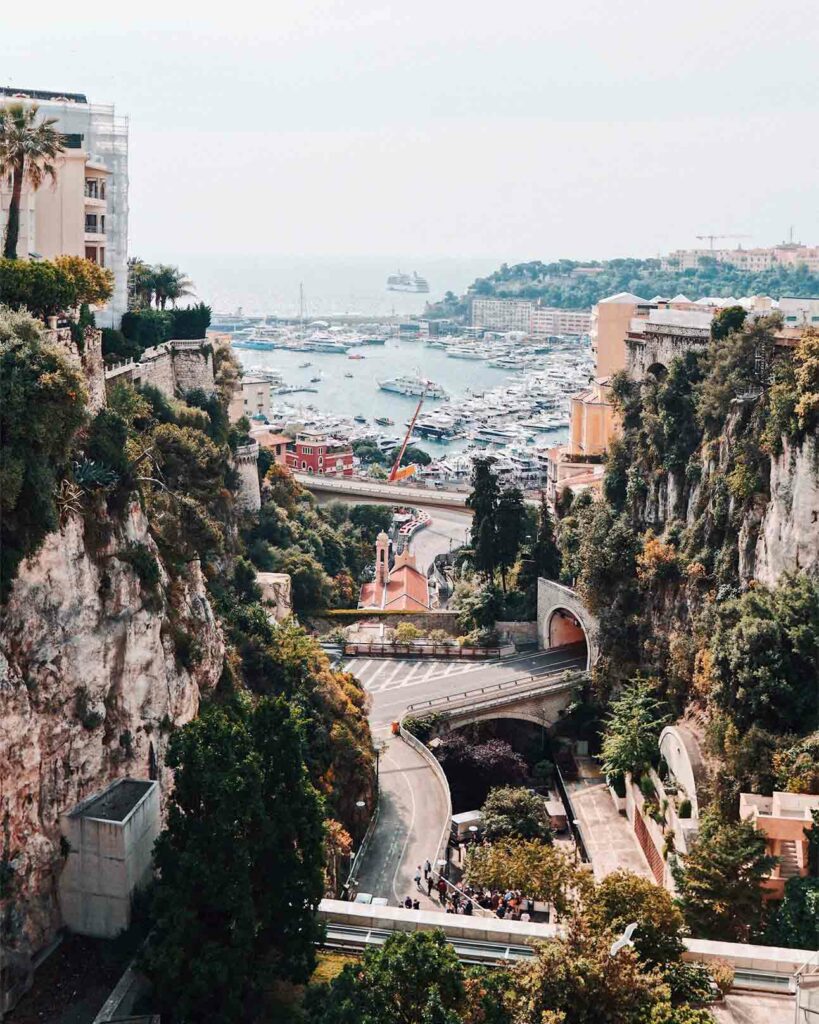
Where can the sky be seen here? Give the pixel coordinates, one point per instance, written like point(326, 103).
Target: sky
point(528, 129)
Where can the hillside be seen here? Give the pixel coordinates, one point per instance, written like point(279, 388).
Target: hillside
point(568, 284)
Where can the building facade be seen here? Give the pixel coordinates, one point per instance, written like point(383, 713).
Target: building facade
point(317, 453)
point(546, 320)
point(503, 314)
point(789, 254)
point(85, 211)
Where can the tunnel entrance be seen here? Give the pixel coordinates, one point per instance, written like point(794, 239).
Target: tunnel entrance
point(565, 628)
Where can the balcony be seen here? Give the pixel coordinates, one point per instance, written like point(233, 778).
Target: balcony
point(94, 229)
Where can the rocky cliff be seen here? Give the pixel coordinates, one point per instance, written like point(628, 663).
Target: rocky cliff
point(98, 662)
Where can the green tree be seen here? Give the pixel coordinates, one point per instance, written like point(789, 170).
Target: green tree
point(719, 880)
point(169, 285)
point(311, 585)
point(764, 646)
point(484, 503)
point(414, 978)
point(545, 552)
point(727, 321)
point(795, 921)
point(371, 520)
point(510, 526)
point(514, 812)
point(42, 405)
point(412, 454)
point(632, 729)
point(28, 149)
point(239, 863)
point(540, 870)
point(621, 898)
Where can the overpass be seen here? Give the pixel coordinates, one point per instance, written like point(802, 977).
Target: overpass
point(355, 926)
point(390, 494)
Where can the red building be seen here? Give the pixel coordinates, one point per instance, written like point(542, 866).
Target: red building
point(317, 453)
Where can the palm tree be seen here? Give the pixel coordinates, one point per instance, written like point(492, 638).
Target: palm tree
point(141, 283)
point(27, 150)
point(170, 284)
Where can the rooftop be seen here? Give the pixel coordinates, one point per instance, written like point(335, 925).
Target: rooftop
point(116, 802)
point(42, 94)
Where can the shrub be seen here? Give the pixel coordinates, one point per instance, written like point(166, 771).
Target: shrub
point(37, 286)
point(143, 561)
point(82, 703)
point(92, 284)
point(405, 633)
point(422, 726)
point(116, 348)
point(684, 810)
point(191, 322)
point(147, 327)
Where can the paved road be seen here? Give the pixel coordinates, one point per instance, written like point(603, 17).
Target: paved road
point(413, 811)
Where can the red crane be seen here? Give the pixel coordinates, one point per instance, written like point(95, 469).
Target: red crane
point(395, 473)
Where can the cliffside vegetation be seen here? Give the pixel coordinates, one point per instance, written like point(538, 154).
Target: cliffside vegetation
point(666, 560)
point(569, 284)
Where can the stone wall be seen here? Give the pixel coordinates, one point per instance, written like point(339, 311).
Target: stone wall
point(553, 597)
point(520, 632)
point(174, 368)
point(323, 622)
point(192, 366)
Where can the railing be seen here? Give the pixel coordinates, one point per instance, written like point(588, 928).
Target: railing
point(92, 228)
point(440, 775)
point(420, 650)
point(362, 850)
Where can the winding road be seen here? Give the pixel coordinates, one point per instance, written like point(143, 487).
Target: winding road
point(413, 811)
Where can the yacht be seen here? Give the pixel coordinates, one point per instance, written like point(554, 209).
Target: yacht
point(384, 421)
point(413, 385)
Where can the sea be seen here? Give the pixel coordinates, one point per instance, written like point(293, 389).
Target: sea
point(359, 394)
point(332, 286)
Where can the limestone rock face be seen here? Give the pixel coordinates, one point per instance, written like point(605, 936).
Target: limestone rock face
point(95, 671)
point(277, 591)
point(789, 533)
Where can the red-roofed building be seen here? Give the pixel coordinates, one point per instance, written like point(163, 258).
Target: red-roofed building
point(276, 444)
point(402, 589)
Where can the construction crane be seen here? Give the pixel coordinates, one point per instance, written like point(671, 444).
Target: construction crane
point(396, 473)
point(710, 238)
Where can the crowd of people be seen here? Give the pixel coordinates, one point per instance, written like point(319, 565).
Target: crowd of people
point(510, 905)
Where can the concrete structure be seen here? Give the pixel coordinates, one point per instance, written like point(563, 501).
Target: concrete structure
point(246, 458)
point(562, 619)
point(277, 593)
point(110, 839)
point(401, 588)
point(503, 314)
point(783, 818)
point(320, 455)
point(546, 320)
point(799, 312)
point(85, 212)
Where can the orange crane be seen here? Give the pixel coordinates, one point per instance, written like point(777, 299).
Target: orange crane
point(396, 473)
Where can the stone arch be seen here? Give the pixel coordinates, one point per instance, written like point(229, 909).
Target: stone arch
point(657, 370)
point(558, 609)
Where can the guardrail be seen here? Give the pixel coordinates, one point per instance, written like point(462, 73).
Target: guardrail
point(438, 772)
point(349, 885)
point(420, 650)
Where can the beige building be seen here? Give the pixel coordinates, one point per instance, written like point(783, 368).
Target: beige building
point(546, 320)
point(610, 320)
point(783, 818)
point(251, 398)
point(85, 211)
point(791, 254)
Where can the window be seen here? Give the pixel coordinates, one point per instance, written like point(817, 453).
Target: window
point(303, 464)
point(320, 460)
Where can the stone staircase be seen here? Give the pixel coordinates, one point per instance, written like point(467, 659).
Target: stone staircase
point(788, 860)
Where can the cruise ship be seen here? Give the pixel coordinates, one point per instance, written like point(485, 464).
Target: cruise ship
point(407, 283)
point(407, 385)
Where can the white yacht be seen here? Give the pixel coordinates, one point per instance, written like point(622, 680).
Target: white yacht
point(413, 385)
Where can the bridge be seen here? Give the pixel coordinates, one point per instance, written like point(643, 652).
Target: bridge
point(537, 699)
point(389, 494)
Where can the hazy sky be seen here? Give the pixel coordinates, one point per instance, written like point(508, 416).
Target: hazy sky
point(514, 130)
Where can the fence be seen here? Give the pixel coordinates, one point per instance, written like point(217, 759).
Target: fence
point(379, 650)
point(362, 850)
point(438, 772)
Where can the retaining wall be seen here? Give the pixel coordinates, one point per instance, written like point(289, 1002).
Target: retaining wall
point(324, 621)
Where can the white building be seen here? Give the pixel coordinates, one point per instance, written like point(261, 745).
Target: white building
point(95, 133)
point(503, 314)
point(546, 320)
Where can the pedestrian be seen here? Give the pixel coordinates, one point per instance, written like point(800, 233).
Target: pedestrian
point(430, 885)
point(427, 868)
point(416, 905)
point(441, 889)
point(468, 908)
point(418, 877)
point(408, 902)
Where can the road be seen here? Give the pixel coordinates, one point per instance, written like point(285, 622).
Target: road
point(413, 811)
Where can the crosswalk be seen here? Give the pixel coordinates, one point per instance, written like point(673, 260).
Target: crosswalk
point(380, 674)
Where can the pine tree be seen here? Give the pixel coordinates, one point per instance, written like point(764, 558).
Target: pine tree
point(720, 880)
point(545, 553)
point(484, 502)
point(510, 527)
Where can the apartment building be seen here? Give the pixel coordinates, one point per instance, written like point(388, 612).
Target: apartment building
point(503, 314)
point(85, 211)
point(546, 320)
point(317, 453)
point(251, 398)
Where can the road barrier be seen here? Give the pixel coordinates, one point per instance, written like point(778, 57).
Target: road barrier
point(413, 650)
point(438, 772)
